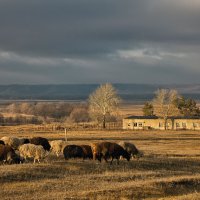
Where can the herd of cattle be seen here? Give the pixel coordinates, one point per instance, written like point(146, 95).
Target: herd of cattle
point(15, 150)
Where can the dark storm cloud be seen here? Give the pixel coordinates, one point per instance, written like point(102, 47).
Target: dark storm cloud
point(59, 40)
point(80, 27)
point(59, 27)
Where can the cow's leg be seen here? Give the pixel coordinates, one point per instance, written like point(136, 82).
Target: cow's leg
point(111, 161)
point(105, 158)
point(99, 159)
point(97, 156)
point(94, 156)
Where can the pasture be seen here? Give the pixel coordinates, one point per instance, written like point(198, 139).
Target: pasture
point(170, 168)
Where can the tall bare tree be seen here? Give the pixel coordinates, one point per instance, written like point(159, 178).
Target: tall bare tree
point(103, 102)
point(164, 104)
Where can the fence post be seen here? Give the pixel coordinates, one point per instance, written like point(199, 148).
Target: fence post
point(65, 134)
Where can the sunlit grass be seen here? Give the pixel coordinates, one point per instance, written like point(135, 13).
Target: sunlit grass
point(169, 169)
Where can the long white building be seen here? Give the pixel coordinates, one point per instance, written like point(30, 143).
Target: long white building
point(153, 122)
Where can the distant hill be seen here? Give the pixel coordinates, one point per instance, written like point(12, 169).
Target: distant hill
point(131, 92)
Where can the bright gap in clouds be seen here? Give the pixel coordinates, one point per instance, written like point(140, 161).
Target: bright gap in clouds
point(147, 54)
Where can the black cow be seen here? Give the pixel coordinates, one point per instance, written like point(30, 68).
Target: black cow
point(87, 151)
point(73, 151)
point(41, 141)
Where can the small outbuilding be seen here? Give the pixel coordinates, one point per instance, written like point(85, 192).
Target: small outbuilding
point(154, 122)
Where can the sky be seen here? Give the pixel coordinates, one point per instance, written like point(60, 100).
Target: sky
point(97, 41)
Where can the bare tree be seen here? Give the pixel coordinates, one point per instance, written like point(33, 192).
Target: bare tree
point(103, 102)
point(164, 104)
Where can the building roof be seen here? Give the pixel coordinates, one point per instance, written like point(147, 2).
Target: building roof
point(141, 117)
point(155, 117)
point(185, 117)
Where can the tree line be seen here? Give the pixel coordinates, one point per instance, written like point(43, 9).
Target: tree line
point(50, 111)
point(102, 107)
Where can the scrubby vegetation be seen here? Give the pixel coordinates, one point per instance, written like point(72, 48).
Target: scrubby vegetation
point(40, 112)
point(19, 120)
point(19, 113)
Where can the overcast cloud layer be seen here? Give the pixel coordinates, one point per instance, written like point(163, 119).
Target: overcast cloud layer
point(92, 41)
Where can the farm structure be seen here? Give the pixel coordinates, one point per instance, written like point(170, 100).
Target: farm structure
point(154, 122)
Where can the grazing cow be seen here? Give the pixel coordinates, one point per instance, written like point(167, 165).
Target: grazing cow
point(13, 158)
point(36, 152)
point(57, 146)
point(109, 150)
point(73, 151)
point(14, 142)
point(8, 155)
point(87, 150)
point(41, 141)
point(2, 142)
point(131, 149)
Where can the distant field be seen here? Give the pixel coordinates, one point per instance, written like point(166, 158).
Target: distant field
point(131, 109)
point(170, 168)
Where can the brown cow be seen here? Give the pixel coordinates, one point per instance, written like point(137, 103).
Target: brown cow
point(8, 155)
point(109, 150)
point(87, 150)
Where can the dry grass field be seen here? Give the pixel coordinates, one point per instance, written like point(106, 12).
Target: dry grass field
point(169, 169)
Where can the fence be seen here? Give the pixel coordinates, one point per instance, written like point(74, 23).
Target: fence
point(75, 126)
